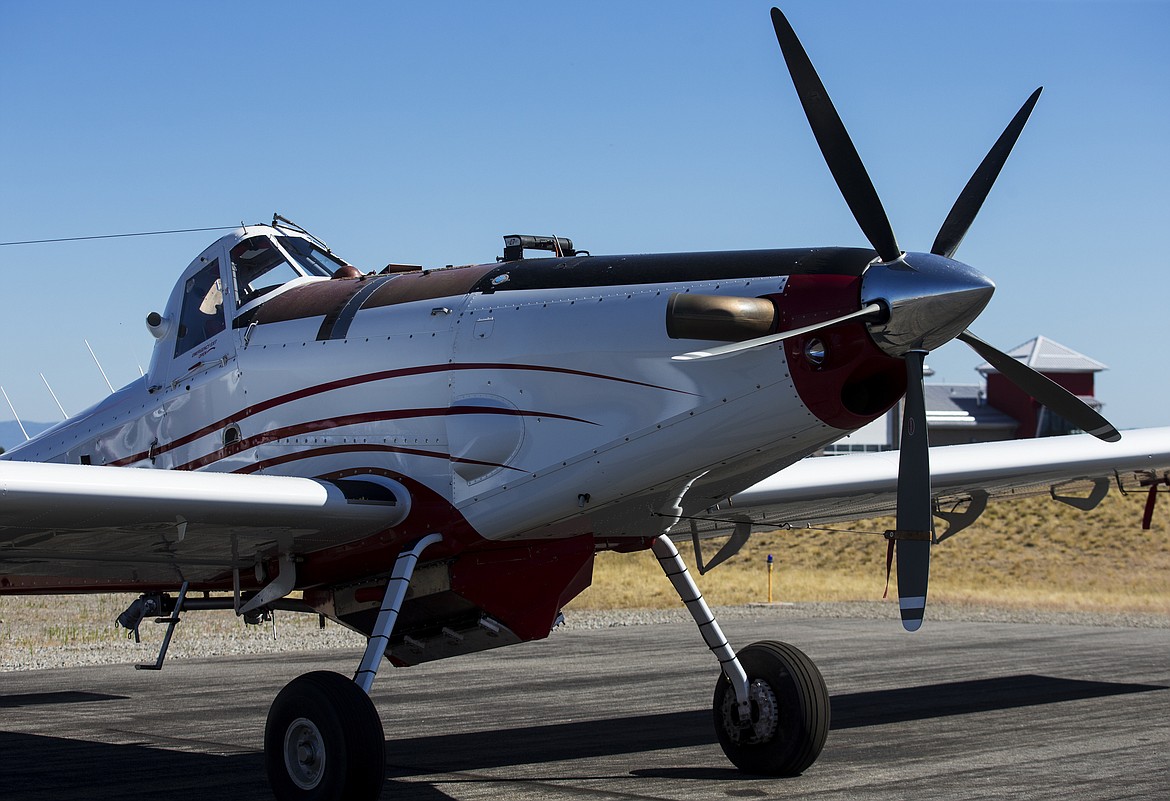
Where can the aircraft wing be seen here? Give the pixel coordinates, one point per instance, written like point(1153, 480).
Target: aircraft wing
point(1076, 468)
point(75, 527)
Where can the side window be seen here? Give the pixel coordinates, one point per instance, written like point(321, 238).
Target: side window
point(202, 315)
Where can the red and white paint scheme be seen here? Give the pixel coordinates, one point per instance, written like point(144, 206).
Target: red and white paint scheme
point(433, 457)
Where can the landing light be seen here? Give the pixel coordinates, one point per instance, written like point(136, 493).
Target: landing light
point(158, 324)
point(815, 351)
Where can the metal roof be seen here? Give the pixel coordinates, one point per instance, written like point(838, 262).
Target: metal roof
point(1046, 356)
point(963, 406)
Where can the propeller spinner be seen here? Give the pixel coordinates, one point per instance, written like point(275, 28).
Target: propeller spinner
point(930, 299)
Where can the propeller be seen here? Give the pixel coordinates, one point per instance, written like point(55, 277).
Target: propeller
point(930, 300)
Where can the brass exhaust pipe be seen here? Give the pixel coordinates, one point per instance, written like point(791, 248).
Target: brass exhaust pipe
point(724, 318)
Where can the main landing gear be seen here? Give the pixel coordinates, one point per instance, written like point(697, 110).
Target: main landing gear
point(324, 740)
point(771, 706)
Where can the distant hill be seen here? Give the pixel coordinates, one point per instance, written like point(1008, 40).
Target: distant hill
point(10, 435)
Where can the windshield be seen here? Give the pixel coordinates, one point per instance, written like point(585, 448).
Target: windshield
point(259, 267)
point(313, 259)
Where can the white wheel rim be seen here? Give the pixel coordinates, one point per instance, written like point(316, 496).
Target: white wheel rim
point(304, 753)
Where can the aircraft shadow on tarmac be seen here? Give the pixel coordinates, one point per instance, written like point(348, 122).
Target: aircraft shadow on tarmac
point(639, 733)
point(43, 767)
point(47, 699)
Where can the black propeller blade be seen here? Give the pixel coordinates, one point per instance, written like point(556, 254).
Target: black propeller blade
point(914, 518)
point(914, 533)
point(970, 200)
point(835, 144)
point(1044, 389)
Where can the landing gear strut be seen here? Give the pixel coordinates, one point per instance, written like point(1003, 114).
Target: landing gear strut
point(324, 740)
point(771, 706)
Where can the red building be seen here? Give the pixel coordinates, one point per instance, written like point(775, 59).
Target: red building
point(1073, 371)
point(993, 410)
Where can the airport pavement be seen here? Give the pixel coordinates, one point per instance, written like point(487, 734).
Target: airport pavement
point(956, 711)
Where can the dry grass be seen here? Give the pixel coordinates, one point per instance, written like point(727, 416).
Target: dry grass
point(1029, 553)
point(1026, 553)
point(31, 624)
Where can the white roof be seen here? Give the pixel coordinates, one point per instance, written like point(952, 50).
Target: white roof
point(1046, 356)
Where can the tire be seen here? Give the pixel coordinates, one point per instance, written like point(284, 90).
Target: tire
point(324, 741)
point(790, 712)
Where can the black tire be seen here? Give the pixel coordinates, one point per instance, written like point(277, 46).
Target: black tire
point(790, 712)
point(324, 741)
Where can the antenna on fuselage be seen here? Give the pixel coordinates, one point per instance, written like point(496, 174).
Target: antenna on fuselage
point(15, 416)
point(64, 416)
point(99, 365)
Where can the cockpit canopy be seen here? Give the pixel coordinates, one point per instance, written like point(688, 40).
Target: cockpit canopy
point(261, 264)
point(232, 276)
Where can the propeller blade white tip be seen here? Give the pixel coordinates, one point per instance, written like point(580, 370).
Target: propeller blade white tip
point(913, 609)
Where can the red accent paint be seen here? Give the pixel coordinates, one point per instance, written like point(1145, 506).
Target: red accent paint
point(383, 375)
point(525, 585)
point(857, 383)
point(365, 595)
point(429, 513)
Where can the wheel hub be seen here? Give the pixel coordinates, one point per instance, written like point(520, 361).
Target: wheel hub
point(765, 715)
point(304, 753)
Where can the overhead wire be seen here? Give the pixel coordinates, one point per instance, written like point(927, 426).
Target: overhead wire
point(119, 236)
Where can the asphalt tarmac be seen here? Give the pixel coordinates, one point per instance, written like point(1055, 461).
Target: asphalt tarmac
point(956, 711)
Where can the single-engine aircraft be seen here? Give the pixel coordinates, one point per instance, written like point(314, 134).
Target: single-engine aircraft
point(433, 457)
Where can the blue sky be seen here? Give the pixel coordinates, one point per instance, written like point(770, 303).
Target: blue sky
point(423, 132)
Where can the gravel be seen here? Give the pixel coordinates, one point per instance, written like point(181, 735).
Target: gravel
point(213, 634)
point(862, 610)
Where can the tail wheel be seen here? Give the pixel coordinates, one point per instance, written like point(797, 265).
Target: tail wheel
point(789, 712)
point(324, 741)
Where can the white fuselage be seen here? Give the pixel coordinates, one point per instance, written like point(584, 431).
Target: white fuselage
point(532, 412)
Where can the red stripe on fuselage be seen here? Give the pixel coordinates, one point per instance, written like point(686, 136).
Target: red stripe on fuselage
point(356, 419)
point(342, 383)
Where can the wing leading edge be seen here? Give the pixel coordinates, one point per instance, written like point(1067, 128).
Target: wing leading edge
point(73, 526)
point(850, 487)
